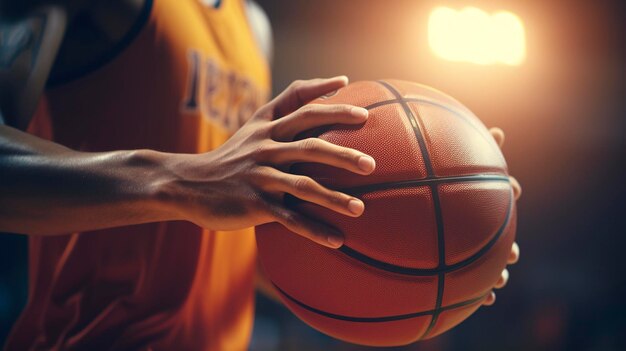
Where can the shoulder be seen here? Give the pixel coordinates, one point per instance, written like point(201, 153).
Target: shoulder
point(28, 46)
point(261, 27)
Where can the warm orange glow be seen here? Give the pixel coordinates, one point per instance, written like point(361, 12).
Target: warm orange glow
point(472, 35)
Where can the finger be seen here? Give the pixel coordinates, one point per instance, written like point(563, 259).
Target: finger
point(301, 92)
point(305, 227)
point(517, 188)
point(321, 151)
point(504, 278)
point(490, 300)
point(316, 115)
point(309, 190)
point(514, 255)
point(498, 135)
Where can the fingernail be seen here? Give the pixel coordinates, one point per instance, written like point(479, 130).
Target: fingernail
point(327, 95)
point(505, 275)
point(356, 206)
point(360, 112)
point(342, 77)
point(335, 241)
point(366, 163)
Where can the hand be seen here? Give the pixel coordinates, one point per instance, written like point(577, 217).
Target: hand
point(242, 183)
point(498, 135)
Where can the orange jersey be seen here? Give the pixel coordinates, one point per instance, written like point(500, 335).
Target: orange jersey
point(184, 80)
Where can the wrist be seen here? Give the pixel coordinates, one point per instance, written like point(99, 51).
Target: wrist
point(155, 182)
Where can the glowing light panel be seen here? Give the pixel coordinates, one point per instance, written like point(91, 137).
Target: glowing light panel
point(472, 35)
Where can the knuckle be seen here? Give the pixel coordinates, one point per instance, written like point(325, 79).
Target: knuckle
point(310, 145)
point(274, 129)
point(343, 109)
point(290, 219)
point(265, 150)
point(262, 131)
point(261, 113)
point(348, 154)
point(304, 184)
point(296, 84)
point(336, 198)
point(260, 173)
point(307, 110)
point(316, 110)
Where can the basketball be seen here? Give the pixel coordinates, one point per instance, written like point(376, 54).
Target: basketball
point(229, 175)
point(438, 225)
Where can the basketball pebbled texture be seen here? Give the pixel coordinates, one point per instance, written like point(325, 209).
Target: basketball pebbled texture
point(437, 229)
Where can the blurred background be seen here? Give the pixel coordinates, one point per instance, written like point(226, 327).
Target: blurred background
point(563, 108)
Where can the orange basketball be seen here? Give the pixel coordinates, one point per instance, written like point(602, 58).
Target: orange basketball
point(437, 229)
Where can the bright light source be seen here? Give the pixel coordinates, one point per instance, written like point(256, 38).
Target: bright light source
point(473, 35)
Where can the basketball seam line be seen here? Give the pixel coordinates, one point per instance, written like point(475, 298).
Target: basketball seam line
point(361, 189)
point(420, 272)
point(413, 99)
point(456, 112)
point(377, 319)
point(442, 257)
point(418, 126)
point(389, 267)
point(414, 124)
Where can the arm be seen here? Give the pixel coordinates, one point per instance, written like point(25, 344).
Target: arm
point(35, 172)
point(49, 189)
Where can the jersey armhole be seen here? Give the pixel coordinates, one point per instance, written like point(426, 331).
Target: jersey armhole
point(260, 28)
point(108, 56)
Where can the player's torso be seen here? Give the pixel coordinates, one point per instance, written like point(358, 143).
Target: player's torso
point(186, 79)
point(192, 69)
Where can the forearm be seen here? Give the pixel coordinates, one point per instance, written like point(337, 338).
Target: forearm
point(49, 189)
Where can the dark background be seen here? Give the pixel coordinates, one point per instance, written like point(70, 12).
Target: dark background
point(563, 111)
